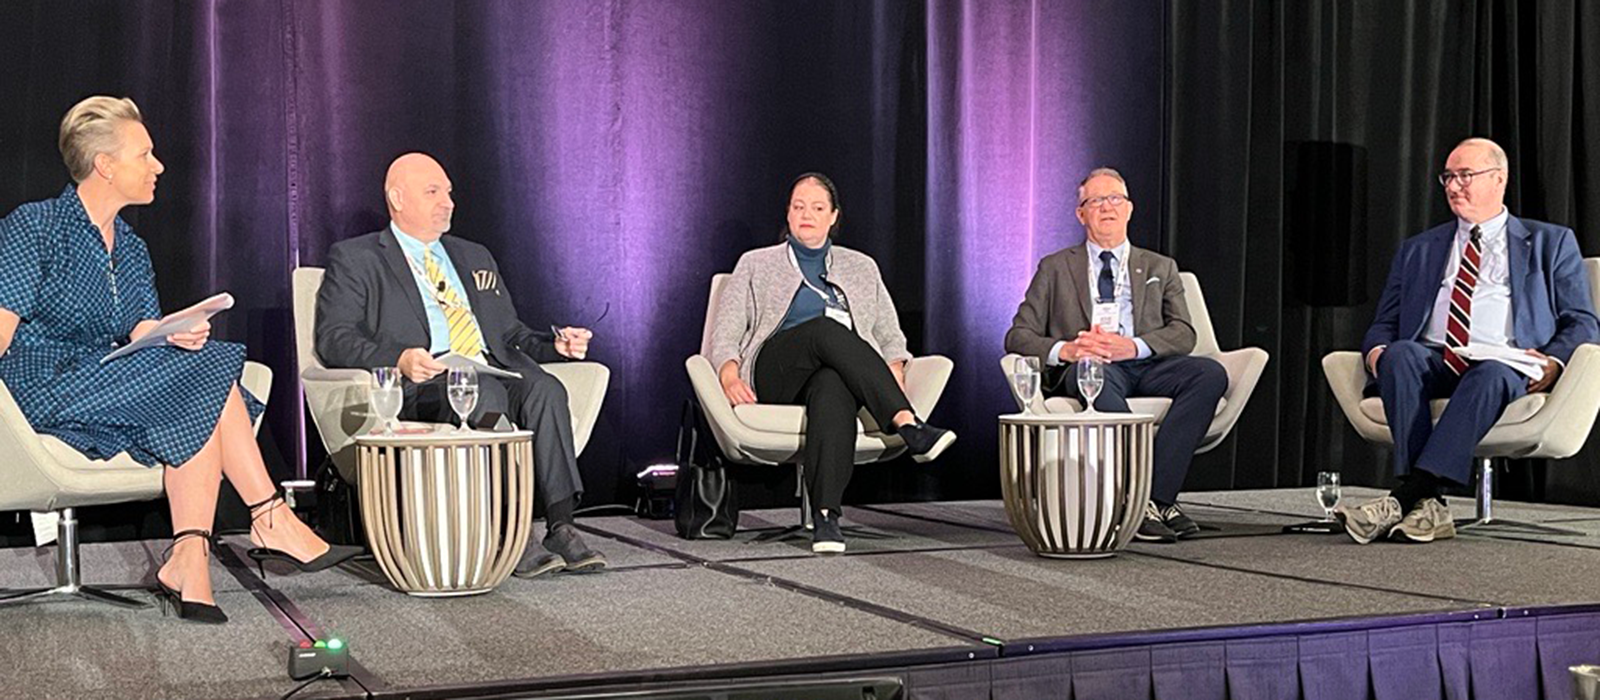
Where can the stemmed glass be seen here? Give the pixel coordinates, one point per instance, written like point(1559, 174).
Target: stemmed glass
point(386, 396)
point(1091, 378)
point(1328, 493)
point(1025, 379)
point(463, 388)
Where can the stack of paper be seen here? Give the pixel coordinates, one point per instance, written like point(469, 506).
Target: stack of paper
point(1515, 358)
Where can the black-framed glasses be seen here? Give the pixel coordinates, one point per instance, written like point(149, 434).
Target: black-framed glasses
point(1115, 200)
point(1462, 177)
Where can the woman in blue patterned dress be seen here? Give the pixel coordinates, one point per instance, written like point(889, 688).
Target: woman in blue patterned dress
point(74, 282)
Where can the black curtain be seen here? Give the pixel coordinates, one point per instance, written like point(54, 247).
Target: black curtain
point(1256, 86)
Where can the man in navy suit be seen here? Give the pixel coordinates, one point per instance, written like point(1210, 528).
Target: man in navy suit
point(401, 296)
point(1486, 280)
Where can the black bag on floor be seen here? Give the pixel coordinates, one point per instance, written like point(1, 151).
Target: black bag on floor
point(338, 512)
point(705, 507)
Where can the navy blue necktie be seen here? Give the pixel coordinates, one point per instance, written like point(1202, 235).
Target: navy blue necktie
point(1108, 283)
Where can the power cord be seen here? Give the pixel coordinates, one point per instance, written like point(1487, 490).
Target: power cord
point(326, 673)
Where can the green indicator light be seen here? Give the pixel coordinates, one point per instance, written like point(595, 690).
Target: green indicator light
point(320, 644)
point(992, 640)
point(336, 644)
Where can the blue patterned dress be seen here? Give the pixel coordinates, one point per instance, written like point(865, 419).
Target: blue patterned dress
point(77, 302)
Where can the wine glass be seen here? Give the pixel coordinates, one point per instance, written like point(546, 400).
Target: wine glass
point(463, 388)
point(1025, 379)
point(1328, 493)
point(1091, 378)
point(386, 396)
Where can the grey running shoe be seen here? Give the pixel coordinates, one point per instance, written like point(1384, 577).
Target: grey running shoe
point(1371, 520)
point(1427, 522)
point(537, 561)
point(1154, 529)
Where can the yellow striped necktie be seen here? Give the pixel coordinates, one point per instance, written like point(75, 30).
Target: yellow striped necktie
point(465, 338)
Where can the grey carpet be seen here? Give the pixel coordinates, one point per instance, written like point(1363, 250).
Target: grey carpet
point(906, 534)
point(101, 563)
point(1009, 593)
point(604, 623)
point(75, 650)
point(1495, 571)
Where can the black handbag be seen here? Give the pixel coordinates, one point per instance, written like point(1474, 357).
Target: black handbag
point(705, 505)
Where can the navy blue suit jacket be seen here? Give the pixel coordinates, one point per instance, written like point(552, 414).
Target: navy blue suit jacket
point(1551, 310)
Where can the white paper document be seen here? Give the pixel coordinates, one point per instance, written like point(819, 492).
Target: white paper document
point(175, 322)
point(1515, 358)
point(458, 361)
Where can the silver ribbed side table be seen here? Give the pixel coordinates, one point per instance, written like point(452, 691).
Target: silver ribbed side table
point(1075, 484)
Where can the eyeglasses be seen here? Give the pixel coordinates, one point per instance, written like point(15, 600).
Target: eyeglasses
point(1462, 177)
point(1114, 200)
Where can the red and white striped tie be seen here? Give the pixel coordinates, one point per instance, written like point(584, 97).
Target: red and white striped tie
point(1457, 332)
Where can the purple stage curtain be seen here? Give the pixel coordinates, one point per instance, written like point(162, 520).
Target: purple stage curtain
point(614, 154)
point(1510, 657)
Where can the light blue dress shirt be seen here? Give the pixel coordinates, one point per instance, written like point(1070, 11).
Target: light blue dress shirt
point(1124, 294)
point(438, 327)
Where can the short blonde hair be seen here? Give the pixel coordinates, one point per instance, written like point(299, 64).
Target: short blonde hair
point(90, 128)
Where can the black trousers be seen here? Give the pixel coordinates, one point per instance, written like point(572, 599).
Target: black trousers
point(536, 402)
point(833, 373)
point(1193, 383)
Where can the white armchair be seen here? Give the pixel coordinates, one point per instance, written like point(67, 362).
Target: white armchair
point(1244, 367)
point(338, 398)
point(1552, 425)
point(44, 474)
point(770, 434)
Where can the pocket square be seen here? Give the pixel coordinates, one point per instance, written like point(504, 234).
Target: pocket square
point(1152, 279)
point(485, 279)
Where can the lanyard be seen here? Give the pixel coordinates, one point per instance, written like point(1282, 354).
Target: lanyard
point(827, 299)
point(437, 291)
point(1119, 276)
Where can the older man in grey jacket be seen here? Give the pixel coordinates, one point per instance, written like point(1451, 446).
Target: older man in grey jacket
point(1124, 307)
point(808, 322)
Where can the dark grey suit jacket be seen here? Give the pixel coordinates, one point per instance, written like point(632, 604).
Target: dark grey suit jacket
point(369, 309)
point(1057, 305)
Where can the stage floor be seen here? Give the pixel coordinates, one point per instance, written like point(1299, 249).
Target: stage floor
point(952, 585)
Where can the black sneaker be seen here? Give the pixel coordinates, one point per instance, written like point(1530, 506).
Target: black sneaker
point(924, 441)
point(564, 542)
point(1154, 529)
point(825, 536)
point(537, 561)
point(1181, 525)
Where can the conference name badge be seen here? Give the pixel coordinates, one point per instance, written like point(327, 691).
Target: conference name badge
point(840, 315)
point(1107, 317)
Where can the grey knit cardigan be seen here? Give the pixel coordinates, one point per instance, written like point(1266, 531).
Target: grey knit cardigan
point(756, 298)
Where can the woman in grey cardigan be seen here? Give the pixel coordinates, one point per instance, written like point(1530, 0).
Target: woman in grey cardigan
point(807, 322)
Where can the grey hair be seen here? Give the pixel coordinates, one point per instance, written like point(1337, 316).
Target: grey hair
point(90, 128)
point(1097, 172)
point(1497, 155)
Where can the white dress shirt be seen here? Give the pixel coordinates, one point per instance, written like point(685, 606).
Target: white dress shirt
point(1491, 297)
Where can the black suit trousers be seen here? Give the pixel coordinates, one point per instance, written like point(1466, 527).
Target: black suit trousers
point(536, 402)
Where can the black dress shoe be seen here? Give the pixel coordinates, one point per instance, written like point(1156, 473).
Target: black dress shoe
point(924, 441)
point(564, 541)
point(538, 561)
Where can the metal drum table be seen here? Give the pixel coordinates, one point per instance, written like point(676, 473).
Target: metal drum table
point(1075, 484)
point(447, 513)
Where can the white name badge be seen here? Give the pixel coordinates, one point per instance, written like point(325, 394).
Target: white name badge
point(1107, 317)
point(840, 315)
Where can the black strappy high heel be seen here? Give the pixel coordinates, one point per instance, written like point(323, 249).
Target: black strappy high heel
point(205, 613)
point(337, 554)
